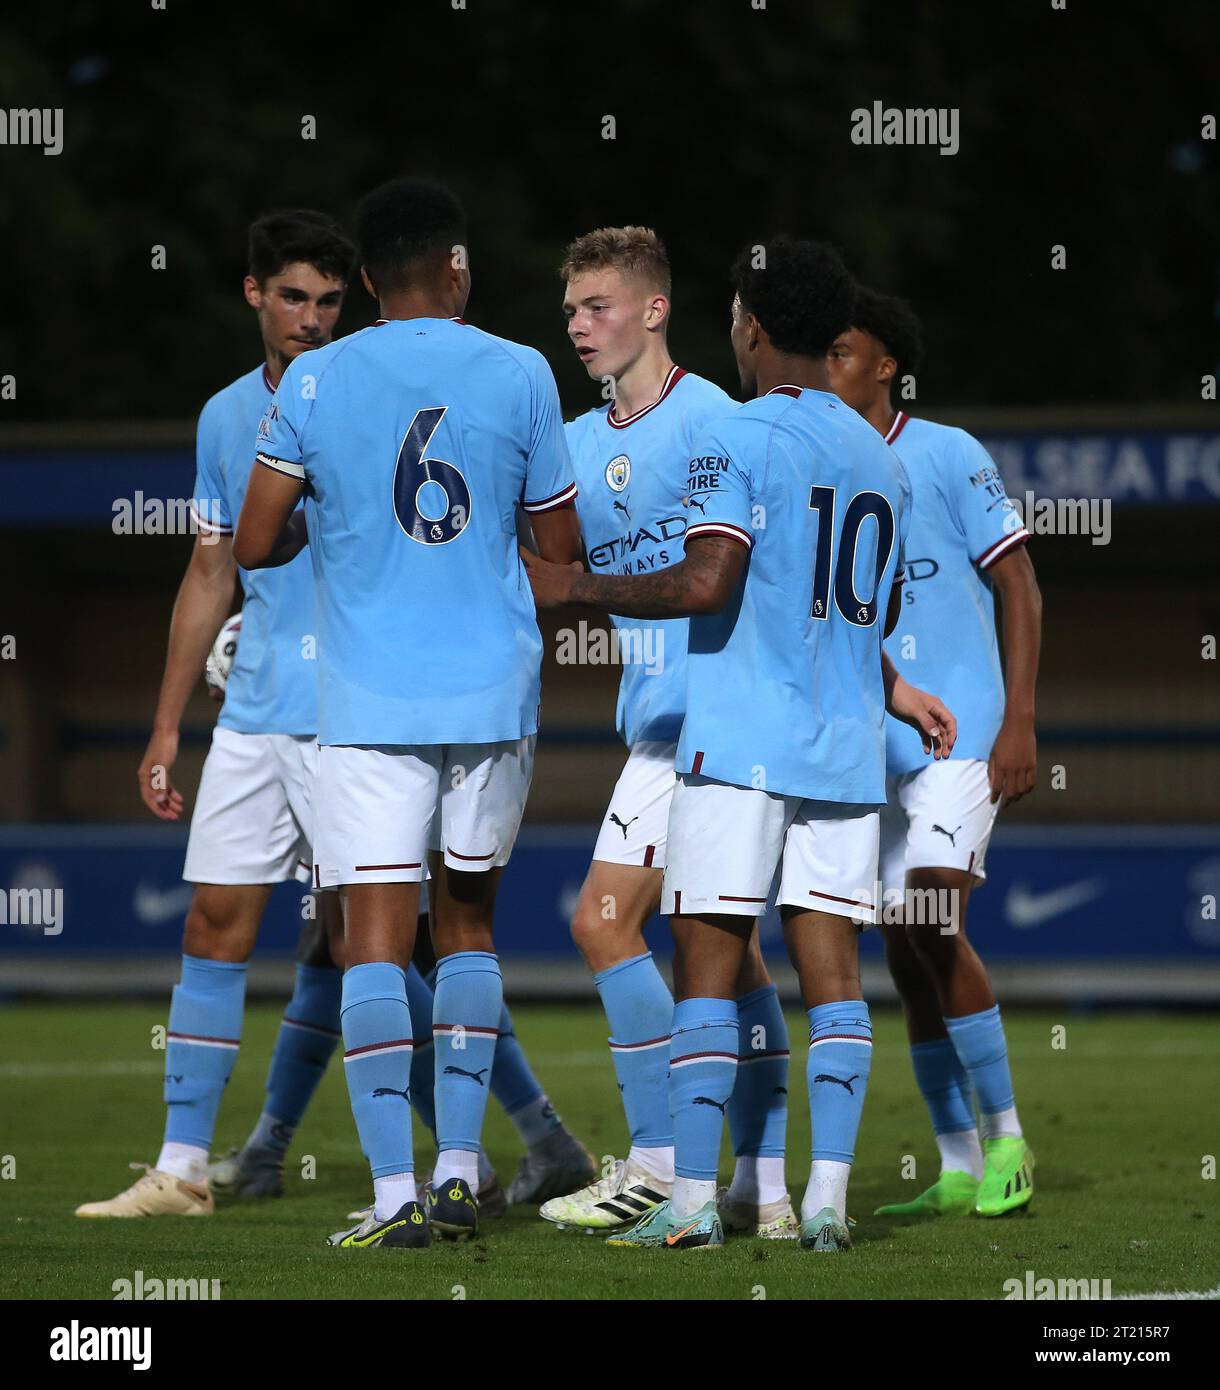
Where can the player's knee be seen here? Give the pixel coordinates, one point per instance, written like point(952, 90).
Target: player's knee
point(587, 928)
point(936, 946)
point(212, 929)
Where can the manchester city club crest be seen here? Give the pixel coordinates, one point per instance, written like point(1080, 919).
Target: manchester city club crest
point(618, 473)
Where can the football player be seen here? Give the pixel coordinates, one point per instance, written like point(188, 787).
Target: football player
point(787, 577)
point(630, 458)
point(966, 544)
point(250, 828)
point(414, 442)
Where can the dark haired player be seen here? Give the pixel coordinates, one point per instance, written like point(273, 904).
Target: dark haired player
point(966, 543)
point(787, 578)
point(630, 459)
point(415, 442)
point(251, 825)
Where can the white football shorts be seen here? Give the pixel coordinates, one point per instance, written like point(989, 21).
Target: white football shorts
point(253, 817)
point(382, 808)
point(634, 828)
point(726, 843)
point(938, 817)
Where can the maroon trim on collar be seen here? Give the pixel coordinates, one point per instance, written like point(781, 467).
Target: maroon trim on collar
point(900, 423)
point(267, 379)
point(675, 375)
point(783, 391)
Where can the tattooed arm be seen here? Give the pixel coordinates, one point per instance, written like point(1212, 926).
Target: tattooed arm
point(701, 583)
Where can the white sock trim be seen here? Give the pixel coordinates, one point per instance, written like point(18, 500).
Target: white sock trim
point(392, 1192)
point(185, 1161)
point(961, 1153)
point(457, 1163)
point(689, 1195)
point(827, 1188)
point(1002, 1125)
point(657, 1163)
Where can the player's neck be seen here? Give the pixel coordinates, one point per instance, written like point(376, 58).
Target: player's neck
point(641, 383)
point(276, 364)
point(419, 304)
point(881, 415)
point(785, 369)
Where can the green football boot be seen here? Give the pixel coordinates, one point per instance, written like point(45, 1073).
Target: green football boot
point(659, 1231)
point(825, 1233)
point(1008, 1177)
point(952, 1194)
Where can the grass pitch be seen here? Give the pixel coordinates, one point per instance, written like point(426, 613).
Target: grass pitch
point(1122, 1119)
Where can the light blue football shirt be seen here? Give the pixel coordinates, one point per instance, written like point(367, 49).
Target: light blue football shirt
point(784, 688)
point(272, 688)
point(417, 440)
point(961, 523)
point(633, 512)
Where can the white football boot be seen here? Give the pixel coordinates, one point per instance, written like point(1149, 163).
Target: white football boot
point(622, 1199)
point(155, 1194)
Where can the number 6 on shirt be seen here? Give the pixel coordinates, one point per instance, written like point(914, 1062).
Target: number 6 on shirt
point(414, 470)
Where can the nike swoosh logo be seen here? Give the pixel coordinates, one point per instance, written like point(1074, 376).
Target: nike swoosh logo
point(1026, 909)
point(676, 1236)
point(154, 906)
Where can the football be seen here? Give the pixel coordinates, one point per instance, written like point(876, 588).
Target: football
point(220, 658)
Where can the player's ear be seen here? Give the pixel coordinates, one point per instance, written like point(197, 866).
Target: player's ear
point(886, 369)
point(753, 332)
point(253, 292)
point(366, 282)
point(657, 314)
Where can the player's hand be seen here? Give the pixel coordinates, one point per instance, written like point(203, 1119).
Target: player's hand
point(1012, 768)
point(928, 715)
point(156, 790)
point(552, 584)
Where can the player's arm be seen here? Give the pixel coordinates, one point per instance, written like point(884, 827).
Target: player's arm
point(702, 582)
point(928, 715)
point(557, 535)
point(270, 530)
point(1013, 764)
point(204, 600)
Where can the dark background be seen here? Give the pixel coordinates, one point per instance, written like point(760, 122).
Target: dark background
point(1078, 127)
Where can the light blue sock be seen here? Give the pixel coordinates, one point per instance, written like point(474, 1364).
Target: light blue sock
point(307, 1038)
point(513, 1082)
point(944, 1084)
point(702, 1068)
point(423, 1060)
point(201, 1046)
point(979, 1042)
point(518, 1090)
point(465, 1022)
point(377, 1062)
point(758, 1108)
point(640, 1011)
point(840, 1056)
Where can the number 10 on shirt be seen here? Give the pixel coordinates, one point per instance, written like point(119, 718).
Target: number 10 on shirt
point(863, 505)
